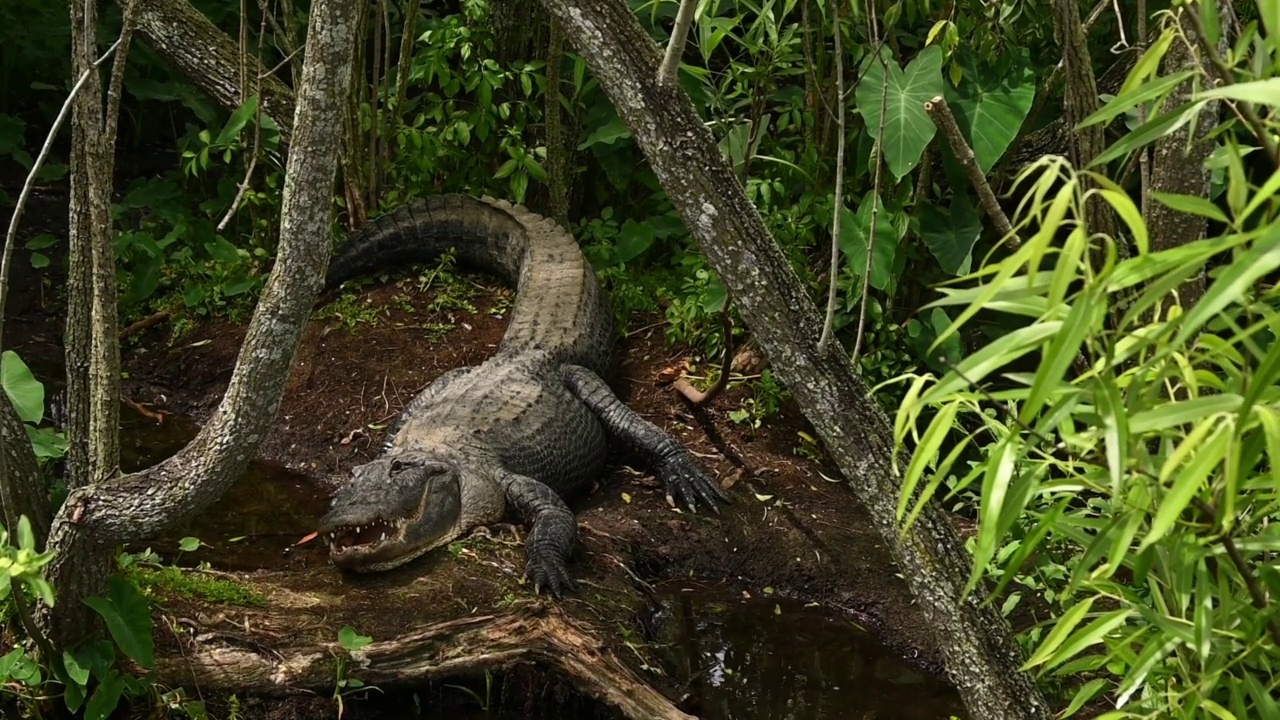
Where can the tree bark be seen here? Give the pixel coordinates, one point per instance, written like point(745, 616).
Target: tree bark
point(979, 650)
point(97, 517)
point(207, 57)
point(468, 645)
point(22, 490)
point(1178, 160)
point(1080, 91)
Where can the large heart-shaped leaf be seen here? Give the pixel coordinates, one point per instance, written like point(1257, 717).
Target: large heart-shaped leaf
point(951, 233)
point(128, 619)
point(990, 108)
point(24, 391)
point(907, 128)
point(854, 231)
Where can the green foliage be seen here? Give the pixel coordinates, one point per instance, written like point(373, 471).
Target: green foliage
point(93, 683)
point(1131, 477)
point(26, 394)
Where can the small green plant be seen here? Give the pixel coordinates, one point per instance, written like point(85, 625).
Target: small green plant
point(766, 398)
point(344, 686)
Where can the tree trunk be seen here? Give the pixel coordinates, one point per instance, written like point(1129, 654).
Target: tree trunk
point(1178, 159)
point(90, 234)
point(209, 59)
point(1080, 99)
point(22, 490)
point(470, 645)
point(96, 518)
point(979, 650)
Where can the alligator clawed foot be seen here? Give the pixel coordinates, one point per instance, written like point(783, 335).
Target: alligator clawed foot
point(548, 573)
point(687, 481)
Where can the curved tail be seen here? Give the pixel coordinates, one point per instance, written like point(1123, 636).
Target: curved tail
point(559, 307)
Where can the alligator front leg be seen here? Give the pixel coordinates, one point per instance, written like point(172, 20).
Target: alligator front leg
point(552, 532)
point(679, 470)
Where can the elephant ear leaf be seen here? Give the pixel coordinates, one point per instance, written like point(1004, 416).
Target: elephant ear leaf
point(24, 391)
point(128, 619)
point(907, 128)
point(990, 108)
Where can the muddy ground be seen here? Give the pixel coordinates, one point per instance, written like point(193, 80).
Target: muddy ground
point(789, 531)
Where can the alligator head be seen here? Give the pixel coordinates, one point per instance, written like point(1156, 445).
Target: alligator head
point(392, 510)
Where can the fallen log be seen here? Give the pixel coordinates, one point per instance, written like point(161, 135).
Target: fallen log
point(430, 652)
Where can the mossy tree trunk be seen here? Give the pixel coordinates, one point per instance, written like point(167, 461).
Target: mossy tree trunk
point(98, 517)
point(979, 650)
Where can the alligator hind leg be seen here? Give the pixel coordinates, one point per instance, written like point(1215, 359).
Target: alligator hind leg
point(681, 473)
point(552, 532)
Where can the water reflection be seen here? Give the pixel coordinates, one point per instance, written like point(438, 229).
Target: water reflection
point(254, 525)
point(778, 660)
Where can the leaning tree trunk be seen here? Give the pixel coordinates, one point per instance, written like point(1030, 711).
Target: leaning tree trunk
point(978, 647)
point(210, 59)
point(96, 518)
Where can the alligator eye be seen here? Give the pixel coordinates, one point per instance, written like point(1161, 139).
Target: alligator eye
point(396, 466)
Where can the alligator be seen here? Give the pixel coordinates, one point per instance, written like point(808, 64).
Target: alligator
point(516, 436)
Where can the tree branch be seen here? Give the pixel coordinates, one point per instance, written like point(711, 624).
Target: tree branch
point(11, 237)
point(439, 650)
point(675, 46)
point(833, 283)
point(143, 504)
point(940, 112)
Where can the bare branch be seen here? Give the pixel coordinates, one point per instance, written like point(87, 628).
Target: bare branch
point(833, 283)
point(940, 112)
point(675, 46)
point(11, 237)
point(875, 211)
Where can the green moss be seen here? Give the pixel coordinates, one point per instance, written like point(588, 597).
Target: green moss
point(152, 581)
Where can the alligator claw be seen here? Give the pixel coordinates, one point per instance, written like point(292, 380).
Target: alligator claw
point(685, 478)
point(550, 574)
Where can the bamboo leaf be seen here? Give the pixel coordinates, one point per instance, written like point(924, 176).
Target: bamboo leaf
point(1186, 486)
point(1192, 205)
point(1062, 351)
point(1182, 412)
point(1089, 635)
point(926, 451)
point(1001, 352)
point(1127, 100)
point(995, 484)
point(1087, 692)
point(1059, 633)
point(1237, 278)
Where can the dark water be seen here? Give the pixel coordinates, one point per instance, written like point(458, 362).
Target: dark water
point(771, 659)
point(757, 659)
point(254, 525)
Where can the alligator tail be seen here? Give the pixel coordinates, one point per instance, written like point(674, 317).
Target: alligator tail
point(559, 306)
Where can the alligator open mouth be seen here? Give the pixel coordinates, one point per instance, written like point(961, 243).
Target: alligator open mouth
point(365, 537)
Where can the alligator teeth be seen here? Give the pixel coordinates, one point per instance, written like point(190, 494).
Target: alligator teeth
point(383, 538)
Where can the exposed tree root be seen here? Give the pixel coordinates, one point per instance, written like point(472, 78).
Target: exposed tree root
point(431, 652)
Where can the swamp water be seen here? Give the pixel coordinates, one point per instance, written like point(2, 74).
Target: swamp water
point(739, 659)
